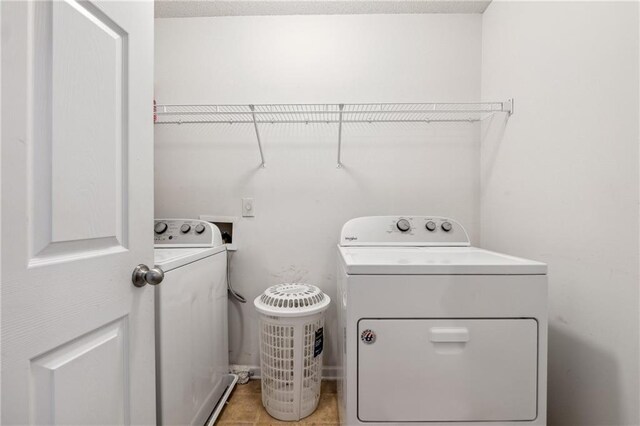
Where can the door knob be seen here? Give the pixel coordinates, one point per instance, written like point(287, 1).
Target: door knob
point(143, 275)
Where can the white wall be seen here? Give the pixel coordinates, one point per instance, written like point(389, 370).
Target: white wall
point(560, 184)
point(301, 199)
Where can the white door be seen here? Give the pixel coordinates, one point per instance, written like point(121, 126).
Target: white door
point(77, 212)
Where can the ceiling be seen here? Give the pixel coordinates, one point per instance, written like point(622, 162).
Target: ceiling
point(197, 8)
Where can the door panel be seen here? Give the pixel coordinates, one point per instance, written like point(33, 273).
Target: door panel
point(447, 370)
point(88, 75)
point(77, 212)
point(78, 181)
point(90, 371)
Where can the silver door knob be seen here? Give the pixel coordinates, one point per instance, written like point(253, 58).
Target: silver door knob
point(143, 275)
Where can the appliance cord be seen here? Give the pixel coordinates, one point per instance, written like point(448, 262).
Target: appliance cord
point(235, 295)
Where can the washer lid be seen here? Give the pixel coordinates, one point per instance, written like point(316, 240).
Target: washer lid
point(172, 258)
point(435, 261)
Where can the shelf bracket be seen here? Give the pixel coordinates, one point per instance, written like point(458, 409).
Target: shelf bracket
point(508, 106)
point(341, 106)
point(255, 126)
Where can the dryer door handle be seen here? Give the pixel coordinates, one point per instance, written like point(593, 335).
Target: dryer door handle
point(449, 334)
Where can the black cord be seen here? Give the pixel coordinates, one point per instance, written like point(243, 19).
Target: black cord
point(235, 295)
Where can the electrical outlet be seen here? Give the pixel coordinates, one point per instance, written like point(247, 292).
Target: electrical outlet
point(248, 207)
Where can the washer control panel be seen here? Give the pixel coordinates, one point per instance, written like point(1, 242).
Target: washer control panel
point(185, 233)
point(418, 231)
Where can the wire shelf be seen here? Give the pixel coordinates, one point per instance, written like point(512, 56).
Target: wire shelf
point(328, 113)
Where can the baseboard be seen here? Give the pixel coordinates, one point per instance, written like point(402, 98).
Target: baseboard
point(328, 372)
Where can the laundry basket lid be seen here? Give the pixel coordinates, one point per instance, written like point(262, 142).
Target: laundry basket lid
point(292, 300)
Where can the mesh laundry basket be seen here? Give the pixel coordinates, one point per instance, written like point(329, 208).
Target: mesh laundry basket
point(291, 343)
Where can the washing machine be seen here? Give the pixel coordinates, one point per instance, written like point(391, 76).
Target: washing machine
point(192, 350)
point(435, 331)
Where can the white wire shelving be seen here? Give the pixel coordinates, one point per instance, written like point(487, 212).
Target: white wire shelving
point(328, 114)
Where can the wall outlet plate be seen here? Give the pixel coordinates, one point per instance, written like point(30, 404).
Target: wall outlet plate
point(227, 225)
point(248, 207)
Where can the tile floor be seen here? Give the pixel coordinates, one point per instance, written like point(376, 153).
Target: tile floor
point(244, 408)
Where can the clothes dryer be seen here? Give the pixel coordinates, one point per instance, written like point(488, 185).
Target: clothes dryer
point(434, 331)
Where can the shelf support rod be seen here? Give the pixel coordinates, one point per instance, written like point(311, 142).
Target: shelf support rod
point(341, 106)
point(255, 126)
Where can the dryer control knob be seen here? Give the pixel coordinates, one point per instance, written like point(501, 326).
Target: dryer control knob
point(430, 225)
point(185, 228)
point(446, 226)
point(403, 225)
point(199, 228)
point(160, 228)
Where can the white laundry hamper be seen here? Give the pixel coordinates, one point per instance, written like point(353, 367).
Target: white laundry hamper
point(291, 346)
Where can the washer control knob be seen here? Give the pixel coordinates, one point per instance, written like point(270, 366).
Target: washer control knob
point(199, 228)
point(431, 226)
point(403, 225)
point(185, 228)
point(160, 228)
point(446, 226)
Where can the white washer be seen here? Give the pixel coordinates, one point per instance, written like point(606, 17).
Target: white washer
point(192, 350)
point(434, 331)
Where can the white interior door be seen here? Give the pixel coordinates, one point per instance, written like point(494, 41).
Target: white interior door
point(77, 212)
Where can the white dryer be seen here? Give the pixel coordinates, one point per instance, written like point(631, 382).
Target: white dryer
point(434, 331)
point(192, 350)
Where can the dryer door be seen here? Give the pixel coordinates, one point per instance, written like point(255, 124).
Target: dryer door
point(420, 370)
